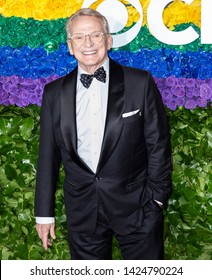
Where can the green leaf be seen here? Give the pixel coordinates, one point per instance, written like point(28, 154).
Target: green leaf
point(26, 127)
point(6, 253)
point(3, 126)
point(10, 172)
point(25, 230)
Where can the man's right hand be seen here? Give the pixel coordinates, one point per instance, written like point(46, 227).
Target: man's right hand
point(44, 230)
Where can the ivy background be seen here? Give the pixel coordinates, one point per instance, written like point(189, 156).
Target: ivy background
point(33, 52)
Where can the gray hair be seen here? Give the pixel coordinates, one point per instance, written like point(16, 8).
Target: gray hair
point(86, 12)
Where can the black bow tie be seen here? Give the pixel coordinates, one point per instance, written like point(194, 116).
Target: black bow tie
point(99, 74)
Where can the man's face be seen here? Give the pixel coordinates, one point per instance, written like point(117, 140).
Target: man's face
point(90, 55)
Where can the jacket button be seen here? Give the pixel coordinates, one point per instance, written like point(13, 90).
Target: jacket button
point(97, 178)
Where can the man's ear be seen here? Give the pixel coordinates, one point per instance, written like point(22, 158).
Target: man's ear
point(69, 43)
point(109, 42)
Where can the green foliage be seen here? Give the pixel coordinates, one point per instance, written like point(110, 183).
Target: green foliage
point(19, 137)
point(188, 218)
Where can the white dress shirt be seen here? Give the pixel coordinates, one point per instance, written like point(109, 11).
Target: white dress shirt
point(91, 109)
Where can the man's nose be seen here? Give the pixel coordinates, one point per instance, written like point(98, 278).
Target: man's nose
point(88, 41)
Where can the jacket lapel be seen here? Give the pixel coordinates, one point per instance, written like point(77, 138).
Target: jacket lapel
point(68, 117)
point(68, 110)
point(115, 108)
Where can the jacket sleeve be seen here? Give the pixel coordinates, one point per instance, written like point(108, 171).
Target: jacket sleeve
point(48, 165)
point(157, 139)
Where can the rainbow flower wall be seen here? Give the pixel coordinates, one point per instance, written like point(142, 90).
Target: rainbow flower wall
point(33, 52)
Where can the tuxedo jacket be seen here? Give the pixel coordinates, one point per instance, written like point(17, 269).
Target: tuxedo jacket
point(135, 160)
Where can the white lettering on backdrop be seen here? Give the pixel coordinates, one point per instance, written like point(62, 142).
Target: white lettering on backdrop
point(117, 15)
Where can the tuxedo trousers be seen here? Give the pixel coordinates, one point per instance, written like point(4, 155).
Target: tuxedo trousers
point(145, 243)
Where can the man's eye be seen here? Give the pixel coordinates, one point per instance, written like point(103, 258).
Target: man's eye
point(79, 37)
point(96, 35)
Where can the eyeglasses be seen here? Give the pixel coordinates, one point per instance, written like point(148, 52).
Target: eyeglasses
point(79, 39)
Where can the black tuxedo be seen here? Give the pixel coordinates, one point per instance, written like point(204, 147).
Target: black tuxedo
point(135, 160)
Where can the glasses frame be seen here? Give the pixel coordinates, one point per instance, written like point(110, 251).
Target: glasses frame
point(87, 35)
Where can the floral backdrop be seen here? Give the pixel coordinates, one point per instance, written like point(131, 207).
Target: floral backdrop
point(33, 52)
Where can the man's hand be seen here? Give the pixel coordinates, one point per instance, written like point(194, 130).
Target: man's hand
point(43, 231)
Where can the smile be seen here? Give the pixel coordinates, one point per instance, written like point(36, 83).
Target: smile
point(89, 53)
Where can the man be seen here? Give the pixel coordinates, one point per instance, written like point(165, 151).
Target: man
point(110, 132)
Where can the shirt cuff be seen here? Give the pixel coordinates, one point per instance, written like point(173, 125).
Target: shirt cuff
point(45, 220)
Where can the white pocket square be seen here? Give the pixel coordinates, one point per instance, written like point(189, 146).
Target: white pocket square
point(129, 114)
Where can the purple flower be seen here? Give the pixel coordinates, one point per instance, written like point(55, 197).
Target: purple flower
point(170, 81)
point(39, 101)
point(51, 78)
point(33, 98)
point(181, 81)
point(190, 104)
point(160, 82)
point(189, 93)
point(205, 91)
point(7, 86)
point(180, 101)
point(3, 97)
point(209, 82)
point(198, 83)
point(22, 102)
point(166, 94)
point(12, 99)
point(23, 93)
point(201, 102)
point(178, 91)
point(190, 83)
point(6, 103)
point(195, 92)
point(172, 104)
point(15, 79)
point(42, 81)
point(10, 87)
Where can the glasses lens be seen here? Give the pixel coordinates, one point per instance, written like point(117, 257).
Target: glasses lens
point(96, 37)
point(78, 39)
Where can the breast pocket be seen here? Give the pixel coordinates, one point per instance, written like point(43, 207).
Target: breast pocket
point(127, 118)
point(133, 128)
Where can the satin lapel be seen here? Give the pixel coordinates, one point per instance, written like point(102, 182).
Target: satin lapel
point(68, 111)
point(68, 118)
point(115, 108)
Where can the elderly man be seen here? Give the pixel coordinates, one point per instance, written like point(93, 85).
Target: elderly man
point(107, 125)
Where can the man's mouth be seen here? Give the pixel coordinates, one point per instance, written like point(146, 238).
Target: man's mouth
point(89, 52)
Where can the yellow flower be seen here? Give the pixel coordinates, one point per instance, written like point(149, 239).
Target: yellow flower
point(2, 3)
point(133, 15)
point(179, 12)
point(176, 13)
point(39, 10)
